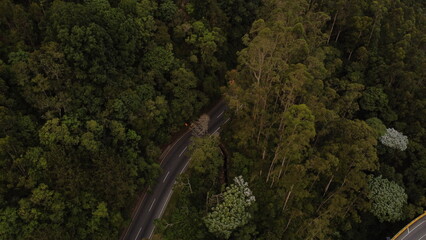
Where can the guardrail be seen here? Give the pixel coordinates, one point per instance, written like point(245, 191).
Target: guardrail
point(408, 225)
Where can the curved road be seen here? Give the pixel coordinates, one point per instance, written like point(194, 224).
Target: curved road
point(416, 230)
point(173, 162)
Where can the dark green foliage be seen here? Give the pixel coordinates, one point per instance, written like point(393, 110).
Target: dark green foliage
point(316, 86)
point(91, 90)
point(377, 125)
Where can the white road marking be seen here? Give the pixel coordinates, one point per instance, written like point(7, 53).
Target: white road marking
point(152, 204)
point(150, 235)
point(422, 237)
point(172, 147)
point(183, 169)
point(133, 218)
point(216, 130)
point(408, 229)
point(415, 227)
point(166, 176)
point(138, 233)
point(218, 116)
point(226, 120)
point(165, 204)
point(183, 151)
point(404, 236)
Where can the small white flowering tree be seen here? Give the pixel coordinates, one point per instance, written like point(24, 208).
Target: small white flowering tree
point(201, 126)
point(232, 212)
point(394, 139)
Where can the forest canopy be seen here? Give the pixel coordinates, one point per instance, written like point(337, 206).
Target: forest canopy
point(327, 102)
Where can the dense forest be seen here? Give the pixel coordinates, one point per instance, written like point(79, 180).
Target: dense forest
point(327, 108)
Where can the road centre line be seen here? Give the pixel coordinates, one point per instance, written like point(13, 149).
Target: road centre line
point(172, 147)
point(218, 116)
point(138, 233)
point(166, 155)
point(405, 236)
point(183, 151)
point(151, 232)
point(166, 176)
point(152, 204)
point(183, 169)
point(134, 216)
point(165, 204)
point(226, 120)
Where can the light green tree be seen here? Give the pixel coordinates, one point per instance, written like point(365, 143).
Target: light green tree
point(377, 125)
point(205, 154)
point(232, 212)
point(388, 199)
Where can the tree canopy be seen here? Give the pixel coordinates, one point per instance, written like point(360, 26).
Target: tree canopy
point(321, 95)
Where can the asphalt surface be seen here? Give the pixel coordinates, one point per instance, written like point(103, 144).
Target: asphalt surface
point(173, 162)
point(416, 231)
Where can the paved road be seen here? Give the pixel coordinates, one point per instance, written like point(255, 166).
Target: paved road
point(416, 231)
point(174, 162)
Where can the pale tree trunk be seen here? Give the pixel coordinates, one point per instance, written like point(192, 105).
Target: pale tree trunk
point(277, 150)
point(357, 40)
point(328, 185)
point(338, 35)
point(288, 224)
point(282, 163)
point(288, 197)
point(350, 205)
point(332, 26)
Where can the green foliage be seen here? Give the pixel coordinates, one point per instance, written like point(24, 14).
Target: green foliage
point(159, 59)
point(93, 89)
point(88, 90)
point(167, 10)
point(377, 125)
point(205, 153)
point(373, 99)
point(8, 223)
point(206, 157)
point(186, 100)
point(388, 199)
point(205, 41)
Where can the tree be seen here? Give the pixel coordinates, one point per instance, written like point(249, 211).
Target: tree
point(185, 99)
point(296, 132)
point(394, 139)
point(206, 155)
point(377, 125)
point(387, 199)
point(374, 99)
point(167, 10)
point(8, 223)
point(201, 126)
point(232, 212)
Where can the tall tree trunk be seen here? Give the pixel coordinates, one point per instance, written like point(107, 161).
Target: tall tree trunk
point(288, 197)
point(328, 185)
point(357, 40)
point(277, 150)
point(332, 26)
point(338, 35)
